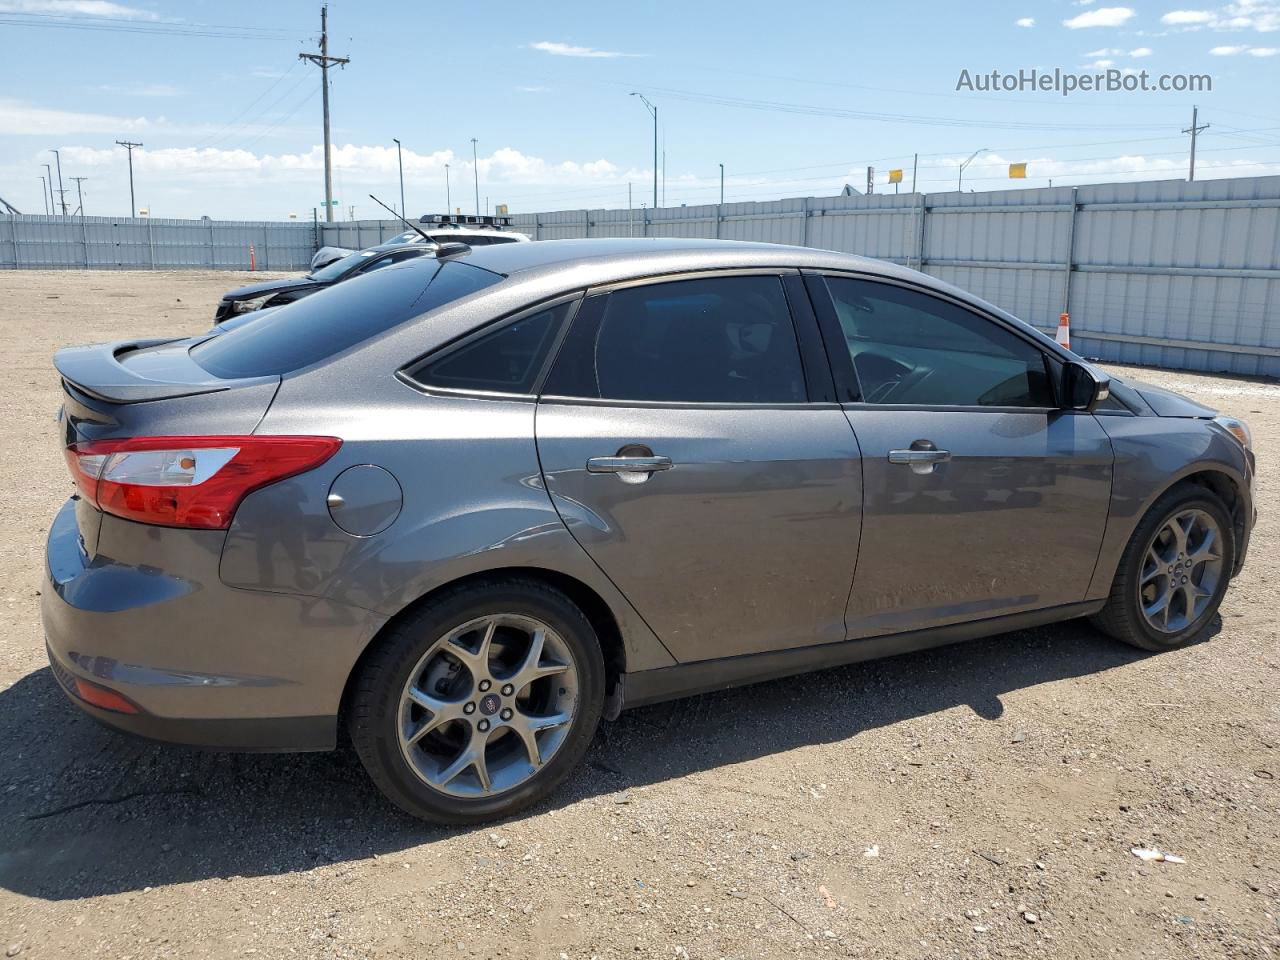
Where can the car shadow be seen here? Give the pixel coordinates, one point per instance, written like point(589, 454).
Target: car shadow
point(86, 811)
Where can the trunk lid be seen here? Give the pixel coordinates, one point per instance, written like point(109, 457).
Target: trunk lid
point(145, 388)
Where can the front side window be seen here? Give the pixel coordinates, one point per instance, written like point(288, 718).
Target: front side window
point(912, 348)
point(705, 340)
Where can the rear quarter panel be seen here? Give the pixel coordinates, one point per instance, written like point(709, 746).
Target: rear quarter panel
point(473, 502)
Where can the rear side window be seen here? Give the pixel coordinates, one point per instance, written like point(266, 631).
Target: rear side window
point(507, 360)
point(333, 320)
point(708, 340)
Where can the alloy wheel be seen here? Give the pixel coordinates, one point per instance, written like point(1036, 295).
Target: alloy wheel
point(1181, 571)
point(488, 705)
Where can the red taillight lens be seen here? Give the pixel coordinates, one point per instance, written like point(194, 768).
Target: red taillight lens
point(192, 482)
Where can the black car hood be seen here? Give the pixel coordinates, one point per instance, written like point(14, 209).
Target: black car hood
point(1166, 403)
point(255, 290)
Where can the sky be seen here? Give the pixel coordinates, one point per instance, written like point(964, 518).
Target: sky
point(793, 99)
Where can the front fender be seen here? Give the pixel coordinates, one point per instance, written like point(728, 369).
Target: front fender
point(1152, 454)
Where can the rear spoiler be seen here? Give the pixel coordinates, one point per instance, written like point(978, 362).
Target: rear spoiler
point(100, 371)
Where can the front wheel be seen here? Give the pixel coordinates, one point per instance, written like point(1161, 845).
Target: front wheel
point(1173, 573)
point(480, 703)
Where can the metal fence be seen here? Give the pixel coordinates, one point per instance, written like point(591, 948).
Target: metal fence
point(107, 243)
point(1167, 273)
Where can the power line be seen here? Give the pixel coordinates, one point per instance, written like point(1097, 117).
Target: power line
point(168, 29)
point(214, 138)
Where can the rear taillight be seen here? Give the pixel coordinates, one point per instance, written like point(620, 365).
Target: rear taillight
point(188, 481)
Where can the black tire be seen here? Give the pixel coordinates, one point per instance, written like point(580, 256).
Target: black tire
point(373, 707)
point(1122, 617)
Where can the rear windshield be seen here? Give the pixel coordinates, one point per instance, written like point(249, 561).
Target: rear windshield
point(326, 323)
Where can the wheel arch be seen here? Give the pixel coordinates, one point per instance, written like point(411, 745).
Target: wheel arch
point(1215, 476)
point(597, 611)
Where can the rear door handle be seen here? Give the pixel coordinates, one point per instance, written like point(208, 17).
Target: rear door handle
point(628, 464)
point(920, 458)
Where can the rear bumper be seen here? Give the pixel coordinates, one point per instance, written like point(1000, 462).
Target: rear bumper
point(206, 664)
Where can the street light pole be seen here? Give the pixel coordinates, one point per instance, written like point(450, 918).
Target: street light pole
point(960, 179)
point(448, 202)
point(53, 204)
point(62, 194)
point(653, 110)
point(44, 196)
point(400, 161)
point(475, 169)
point(722, 184)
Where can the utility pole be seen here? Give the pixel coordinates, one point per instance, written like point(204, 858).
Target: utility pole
point(79, 194)
point(44, 196)
point(915, 162)
point(1194, 131)
point(62, 194)
point(400, 160)
point(133, 206)
point(48, 179)
point(722, 184)
point(653, 110)
point(448, 201)
point(324, 61)
point(475, 169)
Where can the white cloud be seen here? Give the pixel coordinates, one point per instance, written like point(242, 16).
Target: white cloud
point(569, 50)
point(1026, 22)
point(20, 118)
point(84, 8)
point(1228, 51)
point(1105, 52)
point(1181, 18)
point(1263, 51)
point(1100, 64)
point(1101, 17)
point(1260, 15)
point(17, 117)
point(533, 89)
point(1141, 52)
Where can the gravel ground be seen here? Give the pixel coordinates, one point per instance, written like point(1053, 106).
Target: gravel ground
point(973, 801)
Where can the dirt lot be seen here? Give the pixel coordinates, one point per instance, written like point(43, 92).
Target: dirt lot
point(973, 801)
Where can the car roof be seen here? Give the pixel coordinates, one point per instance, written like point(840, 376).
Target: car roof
point(567, 264)
point(608, 260)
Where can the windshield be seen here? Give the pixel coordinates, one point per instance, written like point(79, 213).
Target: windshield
point(323, 325)
point(336, 269)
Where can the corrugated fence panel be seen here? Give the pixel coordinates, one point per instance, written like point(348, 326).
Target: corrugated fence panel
point(1166, 273)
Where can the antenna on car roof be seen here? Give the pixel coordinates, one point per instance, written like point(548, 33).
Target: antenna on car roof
point(411, 226)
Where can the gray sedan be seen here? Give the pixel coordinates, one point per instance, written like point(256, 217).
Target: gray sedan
point(469, 505)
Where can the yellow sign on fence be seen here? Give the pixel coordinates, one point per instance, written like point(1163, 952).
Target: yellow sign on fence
point(1017, 171)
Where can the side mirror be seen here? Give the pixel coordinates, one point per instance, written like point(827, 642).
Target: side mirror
point(1083, 387)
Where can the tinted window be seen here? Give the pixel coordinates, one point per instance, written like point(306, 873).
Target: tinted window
point(506, 361)
point(336, 269)
point(722, 339)
point(399, 257)
point(909, 347)
point(328, 322)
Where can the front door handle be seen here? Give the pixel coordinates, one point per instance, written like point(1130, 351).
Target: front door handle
point(642, 465)
point(921, 457)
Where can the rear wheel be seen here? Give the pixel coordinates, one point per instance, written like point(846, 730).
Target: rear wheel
point(480, 703)
point(1173, 573)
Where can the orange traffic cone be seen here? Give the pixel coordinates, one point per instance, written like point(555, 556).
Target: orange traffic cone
point(1063, 335)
